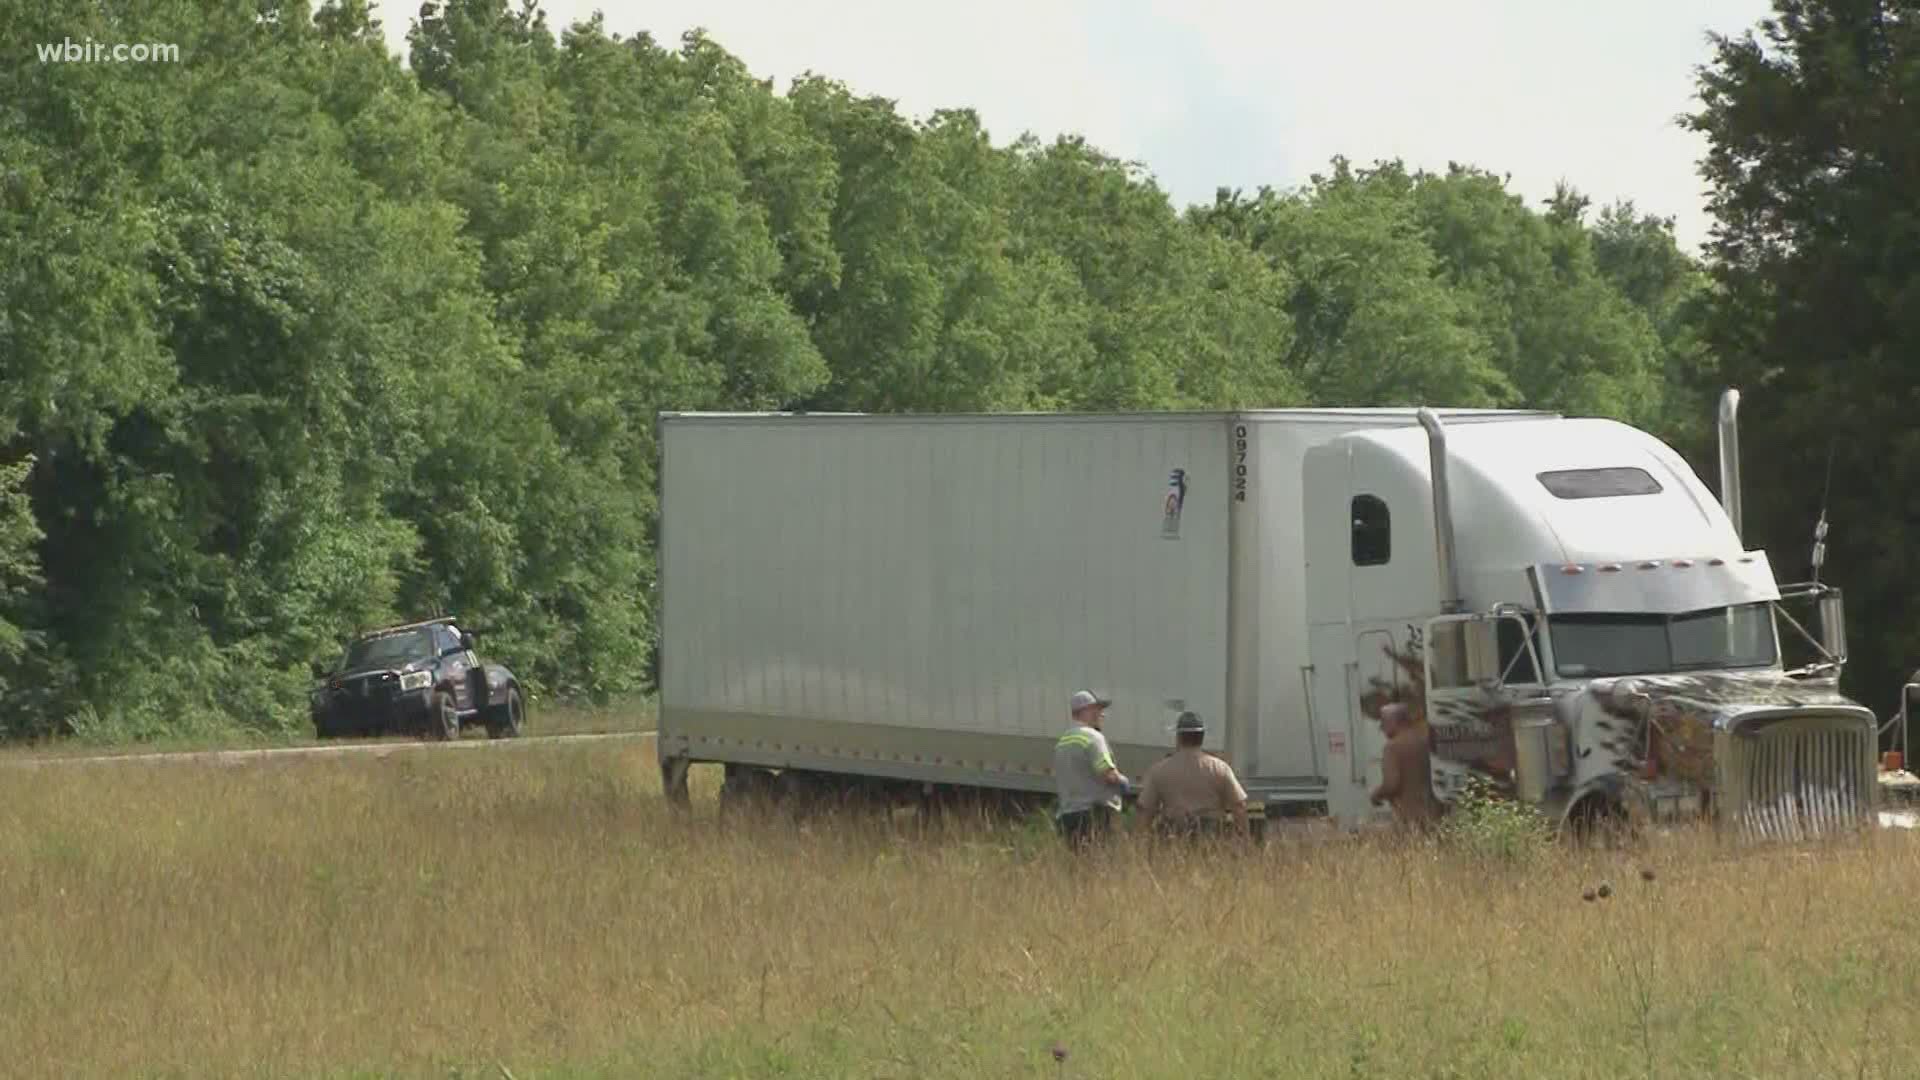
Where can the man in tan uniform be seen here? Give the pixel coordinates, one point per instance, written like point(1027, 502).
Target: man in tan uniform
point(1190, 791)
point(1406, 772)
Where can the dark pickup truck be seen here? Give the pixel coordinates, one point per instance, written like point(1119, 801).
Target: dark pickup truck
point(420, 678)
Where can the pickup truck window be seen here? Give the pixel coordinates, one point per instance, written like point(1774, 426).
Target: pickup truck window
point(444, 641)
point(1589, 646)
point(390, 649)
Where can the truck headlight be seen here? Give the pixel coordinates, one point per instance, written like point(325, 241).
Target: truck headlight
point(415, 680)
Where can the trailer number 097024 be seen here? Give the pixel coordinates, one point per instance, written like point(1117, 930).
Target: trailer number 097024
point(1240, 463)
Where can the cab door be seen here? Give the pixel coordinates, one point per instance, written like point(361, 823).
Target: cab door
point(1393, 587)
point(1333, 674)
point(454, 665)
point(1363, 581)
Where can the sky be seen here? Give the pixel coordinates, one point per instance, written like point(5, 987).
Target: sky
point(1208, 93)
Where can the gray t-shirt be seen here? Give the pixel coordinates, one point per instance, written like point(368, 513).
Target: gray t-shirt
point(1079, 757)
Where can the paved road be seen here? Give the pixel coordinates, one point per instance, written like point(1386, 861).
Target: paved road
point(374, 749)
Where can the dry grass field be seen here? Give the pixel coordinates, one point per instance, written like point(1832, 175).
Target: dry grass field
point(542, 913)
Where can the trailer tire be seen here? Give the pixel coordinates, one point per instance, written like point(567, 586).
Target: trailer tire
point(802, 794)
point(749, 790)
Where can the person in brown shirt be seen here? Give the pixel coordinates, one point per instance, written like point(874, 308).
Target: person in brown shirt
point(1191, 791)
point(1406, 773)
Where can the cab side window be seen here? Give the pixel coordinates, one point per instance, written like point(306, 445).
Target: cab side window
point(1515, 661)
point(1372, 531)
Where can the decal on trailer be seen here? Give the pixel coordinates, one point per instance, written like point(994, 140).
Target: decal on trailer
point(1175, 502)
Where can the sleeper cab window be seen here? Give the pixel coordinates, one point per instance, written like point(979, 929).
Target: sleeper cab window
point(1372, 531)
point(1599, 483)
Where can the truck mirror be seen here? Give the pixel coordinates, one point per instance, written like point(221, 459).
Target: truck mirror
point(1483, 651)
point(319, 670)
point(1463, 651)
point(466, 640)
point(1446, 655)
point(1833, 625)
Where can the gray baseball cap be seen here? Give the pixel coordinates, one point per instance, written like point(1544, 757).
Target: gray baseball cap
point(1190, 721)
point(1086, 699)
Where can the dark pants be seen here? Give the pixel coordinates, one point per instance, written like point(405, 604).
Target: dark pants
point(1082, 827)
point(1190, 829)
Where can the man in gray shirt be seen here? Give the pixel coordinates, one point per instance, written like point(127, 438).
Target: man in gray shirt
point(1087, 782)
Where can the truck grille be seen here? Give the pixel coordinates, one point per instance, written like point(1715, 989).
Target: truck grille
point(377, 687)
point(1797, 778)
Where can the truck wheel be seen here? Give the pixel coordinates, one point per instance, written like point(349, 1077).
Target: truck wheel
point(1597, 822)
point(505, 720)
point(443, 723)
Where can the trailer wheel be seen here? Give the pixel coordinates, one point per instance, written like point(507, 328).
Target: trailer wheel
point(748, 789)
point(802, 793)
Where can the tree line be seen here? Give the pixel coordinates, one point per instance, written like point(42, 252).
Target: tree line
point(296, 339)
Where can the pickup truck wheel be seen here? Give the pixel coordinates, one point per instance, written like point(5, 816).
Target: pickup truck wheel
point(504, 721)
point(443, 723)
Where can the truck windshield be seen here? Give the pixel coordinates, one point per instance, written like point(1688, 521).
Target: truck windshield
point(390, 649)
point(1642, 644)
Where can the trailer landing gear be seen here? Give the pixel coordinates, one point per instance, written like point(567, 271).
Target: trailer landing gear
point(673, 781)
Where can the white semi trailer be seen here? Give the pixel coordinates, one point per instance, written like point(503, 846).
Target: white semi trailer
point(906, 603)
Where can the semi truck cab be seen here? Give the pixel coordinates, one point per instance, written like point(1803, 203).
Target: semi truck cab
point(1577, 621)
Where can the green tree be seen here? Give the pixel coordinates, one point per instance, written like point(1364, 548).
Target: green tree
point(934, 308)
point(625, 199)
point(1638, 255)
point(20, 536)
point(1813, 129)
point(1175, 317)
point(227, 352)
point(294, 338)
point(1561, 334)
point(1374, 321)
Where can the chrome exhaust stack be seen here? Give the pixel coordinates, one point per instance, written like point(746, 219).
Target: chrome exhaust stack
point(1451, 602)
point(1729, 432)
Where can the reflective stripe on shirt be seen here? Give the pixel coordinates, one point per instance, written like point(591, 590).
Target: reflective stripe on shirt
point(1079, 757)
